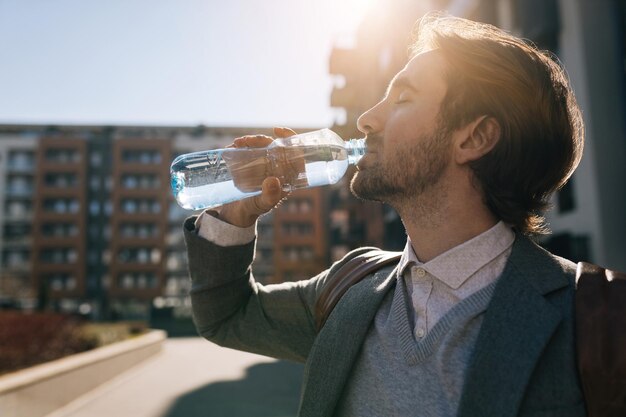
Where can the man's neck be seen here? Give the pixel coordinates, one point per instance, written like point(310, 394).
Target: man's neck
point(447, 217)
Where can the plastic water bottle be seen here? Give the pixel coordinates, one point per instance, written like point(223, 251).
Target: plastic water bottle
point(211, 178)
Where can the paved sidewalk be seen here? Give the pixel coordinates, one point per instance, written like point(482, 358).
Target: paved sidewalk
point(191, 378)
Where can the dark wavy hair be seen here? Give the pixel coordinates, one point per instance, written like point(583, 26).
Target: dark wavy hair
point(490, 72)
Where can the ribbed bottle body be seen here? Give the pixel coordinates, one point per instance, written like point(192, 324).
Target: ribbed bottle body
point(212, 178)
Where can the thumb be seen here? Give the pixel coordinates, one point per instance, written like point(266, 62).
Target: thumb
point(271, 194)
point(283, 132)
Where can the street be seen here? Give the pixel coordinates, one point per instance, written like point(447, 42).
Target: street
point(192, 377)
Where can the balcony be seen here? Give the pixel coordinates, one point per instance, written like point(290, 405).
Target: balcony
point(13, 241)
point(22, 216)
point(19, 192)
point(21, 167)
point(13, 267)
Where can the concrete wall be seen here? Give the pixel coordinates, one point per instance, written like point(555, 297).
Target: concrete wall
point(39, 390)
point(590, 49)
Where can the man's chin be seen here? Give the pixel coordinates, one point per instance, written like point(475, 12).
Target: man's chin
point(361, 187)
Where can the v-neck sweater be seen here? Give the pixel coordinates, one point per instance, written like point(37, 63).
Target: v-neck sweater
point(397, 375)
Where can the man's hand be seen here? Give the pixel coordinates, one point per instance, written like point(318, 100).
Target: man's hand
point(245, 212)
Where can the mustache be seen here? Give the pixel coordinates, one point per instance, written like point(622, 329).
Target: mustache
point(374, 140)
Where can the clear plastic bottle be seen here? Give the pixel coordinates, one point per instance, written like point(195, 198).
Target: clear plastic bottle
point(215, 177)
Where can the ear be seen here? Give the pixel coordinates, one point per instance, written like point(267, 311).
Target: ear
point(476, 139)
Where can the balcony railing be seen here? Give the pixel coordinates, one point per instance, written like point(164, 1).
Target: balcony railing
point(20, 191)
point(21, 167)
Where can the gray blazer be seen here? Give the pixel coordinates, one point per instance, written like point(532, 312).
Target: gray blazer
point(523, 362)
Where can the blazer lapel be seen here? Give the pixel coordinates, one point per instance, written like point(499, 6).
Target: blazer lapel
point(338, 343)
point(517, 326)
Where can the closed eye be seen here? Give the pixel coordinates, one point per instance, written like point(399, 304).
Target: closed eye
point(402, 98)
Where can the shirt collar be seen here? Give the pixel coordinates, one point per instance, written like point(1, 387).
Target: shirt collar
point(456, 265)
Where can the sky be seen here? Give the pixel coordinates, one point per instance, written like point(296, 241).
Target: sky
point(253, 63)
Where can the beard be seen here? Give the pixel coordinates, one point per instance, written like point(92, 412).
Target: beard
point(408, 173)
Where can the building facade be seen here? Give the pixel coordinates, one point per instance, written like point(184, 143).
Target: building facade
point(17, 182)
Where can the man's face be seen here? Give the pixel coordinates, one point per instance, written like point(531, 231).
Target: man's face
point(407, 149)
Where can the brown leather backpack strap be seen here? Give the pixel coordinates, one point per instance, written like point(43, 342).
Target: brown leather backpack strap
point(345, 277)
point(601, 339)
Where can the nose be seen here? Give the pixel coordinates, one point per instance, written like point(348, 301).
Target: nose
point(370, 121)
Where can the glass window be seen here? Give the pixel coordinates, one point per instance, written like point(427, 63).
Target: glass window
point(94, 208)
point(62, 155)
point(56, 283)
point(21, 159)
point(155, 256)
point(142, 281)
point(70, 283)
point(129, 206)
point(72, 256)
point(127, 281)
point(60, 206)
point(94, 183)
point(96, 159)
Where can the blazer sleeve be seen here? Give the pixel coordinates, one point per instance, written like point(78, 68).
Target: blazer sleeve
point(232, 310)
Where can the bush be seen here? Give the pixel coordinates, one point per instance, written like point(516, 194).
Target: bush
point(30, 339)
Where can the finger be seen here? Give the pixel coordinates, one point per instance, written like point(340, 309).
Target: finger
point(252, 141)
point(270, 196)
point(283, 132)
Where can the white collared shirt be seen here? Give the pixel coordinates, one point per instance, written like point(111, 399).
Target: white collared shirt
point(438, 285)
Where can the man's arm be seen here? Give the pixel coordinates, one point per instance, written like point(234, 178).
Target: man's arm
point(233, 310)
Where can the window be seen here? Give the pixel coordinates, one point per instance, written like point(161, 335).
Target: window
point(96, 159)
point(94, 208)
point(16, 230)
point(141, 156)
point(94, 257)
point(19, 185)
point(62, 155)
point(140, 181)
point(59, 229)
point(94, 183)
point(140, 255)
point(297, 228)
point(140, 205)
point(139, 230)
point(14, 258)
point(301, 205)
point(21, 160)
point(137, 280)
point(18, 208)
point(61, 205)
point(175, 261)
point(59, 256)
point(296, 253)
point(60, 180)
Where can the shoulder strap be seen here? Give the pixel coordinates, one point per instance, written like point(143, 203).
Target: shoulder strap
point(601, 338)
point(349, 274)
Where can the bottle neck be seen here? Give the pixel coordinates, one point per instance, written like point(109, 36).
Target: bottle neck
point(356, 149)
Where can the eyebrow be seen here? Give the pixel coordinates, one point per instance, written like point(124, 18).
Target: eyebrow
point(400, 82)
